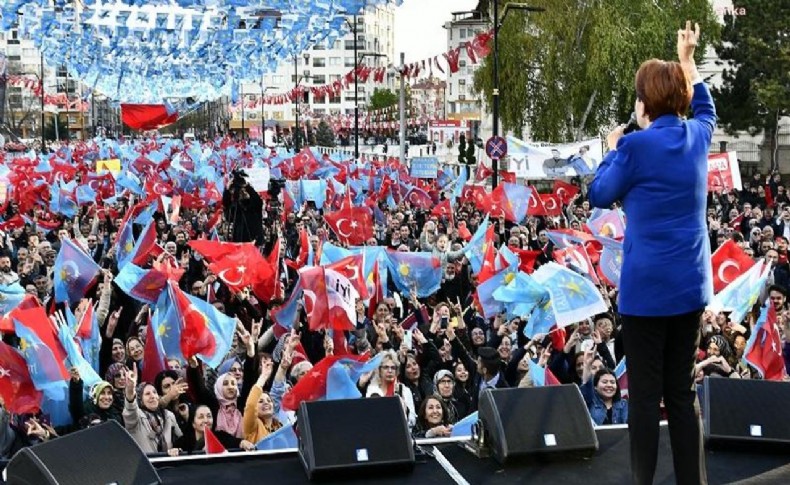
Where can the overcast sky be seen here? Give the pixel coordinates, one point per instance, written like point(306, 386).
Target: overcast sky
point(418, 26)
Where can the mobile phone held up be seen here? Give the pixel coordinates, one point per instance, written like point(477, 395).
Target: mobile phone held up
point(444, 322)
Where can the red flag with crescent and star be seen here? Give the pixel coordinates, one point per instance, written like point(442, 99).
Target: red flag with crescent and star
point(353, 225)
point(564, 191)
point(729, 261)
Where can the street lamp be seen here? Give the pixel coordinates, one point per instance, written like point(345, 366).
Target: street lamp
point(297, 132)
point(495, 92)
point(263, 112)
point(357, 60)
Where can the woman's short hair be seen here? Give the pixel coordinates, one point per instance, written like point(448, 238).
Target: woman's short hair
point(664, 88)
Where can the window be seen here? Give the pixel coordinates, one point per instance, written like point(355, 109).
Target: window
point(319, 111)
point(349, 45)
point(319, 100)
point(462, 82)
point(334, 99)
point(319, 62)
point(334, 61)
point(462, 34)
point(318, 47)
point(277, 79)
point(320, 79)
point(461, 63)
point(334, 77)
point(348, 62)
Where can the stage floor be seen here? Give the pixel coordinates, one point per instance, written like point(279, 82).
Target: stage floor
point(608, 466)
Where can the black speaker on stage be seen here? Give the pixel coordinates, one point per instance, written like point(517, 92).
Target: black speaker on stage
point(746, 412)
point(97, 455)
point(354, 436)
point(535, 422)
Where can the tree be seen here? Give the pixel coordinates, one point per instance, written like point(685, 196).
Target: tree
point(471, 160)
point(310, 134)
point(324, 136)
point(382, 98)
point(462, 149)
point(755, 92)
point(62, 132)
point(568, 72)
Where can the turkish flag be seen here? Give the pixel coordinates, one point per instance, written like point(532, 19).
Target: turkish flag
point(213, 445)
point(575, 258)
point(16, 385)
point(147, 116)
point(353, 225)
point(352, 267)
point(536, 207)
point(312, 386)
point(564, 191)
point(551, 204)
point(729, 261)
point(526, 259)
point(473, 193)
point(764, 348)
point(509, 177)
point(242, 268)
point(443, 209)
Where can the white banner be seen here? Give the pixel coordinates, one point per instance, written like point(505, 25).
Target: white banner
point(543, 160)
point(259, 178)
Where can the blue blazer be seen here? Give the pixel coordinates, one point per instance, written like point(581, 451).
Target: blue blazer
point(661, 176)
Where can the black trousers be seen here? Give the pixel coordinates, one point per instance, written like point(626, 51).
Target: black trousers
point(661, 354)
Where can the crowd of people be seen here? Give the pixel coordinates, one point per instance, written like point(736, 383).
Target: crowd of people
point(438, 367)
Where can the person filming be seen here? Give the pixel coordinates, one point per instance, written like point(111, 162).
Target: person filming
point(243, 209)
point(660, 174)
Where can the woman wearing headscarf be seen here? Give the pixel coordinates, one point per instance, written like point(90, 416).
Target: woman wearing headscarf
point(718, 360)
point(154, 429)
point(100, 403)
point(116, 376)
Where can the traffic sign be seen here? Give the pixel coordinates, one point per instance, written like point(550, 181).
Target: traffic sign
point(496, 148)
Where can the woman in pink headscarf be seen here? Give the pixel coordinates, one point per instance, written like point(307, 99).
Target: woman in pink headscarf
point(224, 405)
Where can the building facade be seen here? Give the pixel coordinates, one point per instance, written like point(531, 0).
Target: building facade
point(462, 103)
point(375, 45)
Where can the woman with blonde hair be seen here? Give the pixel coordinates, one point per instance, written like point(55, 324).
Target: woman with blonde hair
point(384, 383)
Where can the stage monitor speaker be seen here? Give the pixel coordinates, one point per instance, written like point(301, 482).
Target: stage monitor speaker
point(350, 437)
point(747, 413)
point(537, 422)
point(97, 455)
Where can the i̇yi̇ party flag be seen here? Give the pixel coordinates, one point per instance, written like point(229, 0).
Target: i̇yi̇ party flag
point(205, 331)
point(74, 273)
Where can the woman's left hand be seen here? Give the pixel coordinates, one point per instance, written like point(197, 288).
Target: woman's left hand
point(247, 446)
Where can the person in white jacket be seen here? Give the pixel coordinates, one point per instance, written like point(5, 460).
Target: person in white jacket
point(384, 382)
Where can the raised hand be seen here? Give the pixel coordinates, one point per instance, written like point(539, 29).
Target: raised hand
point(687, 42)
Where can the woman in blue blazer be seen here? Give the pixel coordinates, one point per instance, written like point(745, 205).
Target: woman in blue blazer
point(660, 175)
